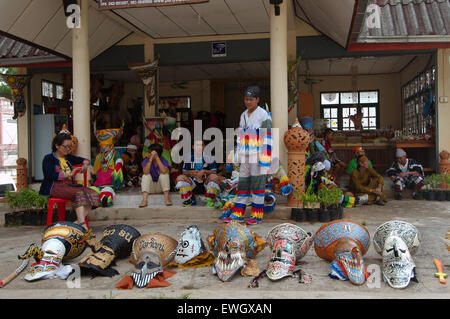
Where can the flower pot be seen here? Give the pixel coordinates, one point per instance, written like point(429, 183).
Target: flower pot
point(447, 195)
point(324, 215)
point(308, 213)
point(440, 195)
point(313, 215)
point(340, 212)
point(8, 219)
point(301, 215)
point(294, 212)
point(430, 195)
point(14, 219)
point(334, 213)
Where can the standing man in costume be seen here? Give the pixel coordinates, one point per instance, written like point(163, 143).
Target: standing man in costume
point(254, 151)
point(405, 172)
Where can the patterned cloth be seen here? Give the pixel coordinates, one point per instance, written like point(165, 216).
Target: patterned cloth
point(400, 183)
point(80, 196)
point(255, 136)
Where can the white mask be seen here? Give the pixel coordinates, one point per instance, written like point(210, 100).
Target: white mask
point(190, 245)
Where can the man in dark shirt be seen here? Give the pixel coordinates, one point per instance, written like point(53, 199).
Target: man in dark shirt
point(199, 177)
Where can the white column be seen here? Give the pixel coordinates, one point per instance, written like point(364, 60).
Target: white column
point(443, 89)
point(278, 78)
point(81, 83)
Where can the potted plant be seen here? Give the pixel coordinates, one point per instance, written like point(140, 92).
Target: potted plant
point(430, 185)
point(297, 213)
point(325, 200)
point(334, 196)
point(312, 207)
point(446, 178)
point(27, 207)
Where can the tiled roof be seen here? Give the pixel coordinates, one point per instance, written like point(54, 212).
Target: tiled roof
point(409, 18)
point(14, 52)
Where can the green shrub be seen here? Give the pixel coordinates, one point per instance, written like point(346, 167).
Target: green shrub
point(26, 199)
point(329, 197)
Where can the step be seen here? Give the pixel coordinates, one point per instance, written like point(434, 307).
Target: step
point(131, 198)
point(175, 212)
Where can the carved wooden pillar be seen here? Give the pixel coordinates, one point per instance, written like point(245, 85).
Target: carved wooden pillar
point(22, 174)
point(444, 164)
point(296, 140)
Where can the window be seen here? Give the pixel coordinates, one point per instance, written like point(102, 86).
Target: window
point(337, 107)
point(52, 90)
point(417, 117)
point(48, 89)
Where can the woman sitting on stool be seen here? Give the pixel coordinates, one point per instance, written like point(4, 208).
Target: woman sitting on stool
point(58, 178)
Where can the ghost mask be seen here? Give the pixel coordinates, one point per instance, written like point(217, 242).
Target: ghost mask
point(151, 253)
point(289, 243)
point(398, 266)
point(190, 245)
point(396, 241)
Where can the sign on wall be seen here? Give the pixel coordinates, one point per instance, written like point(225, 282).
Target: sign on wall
point(219, 49)
point(124, 4)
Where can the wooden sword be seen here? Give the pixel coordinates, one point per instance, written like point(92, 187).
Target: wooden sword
point(440, 274)
point(15, 273)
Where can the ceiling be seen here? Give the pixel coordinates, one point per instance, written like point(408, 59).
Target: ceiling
point(261, 70)
point(43, 22)
point(330, 17)
point(216, 17)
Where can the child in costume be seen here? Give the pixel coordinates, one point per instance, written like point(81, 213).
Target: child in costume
point(254, 150)
point(199, 177)
point(107, 168)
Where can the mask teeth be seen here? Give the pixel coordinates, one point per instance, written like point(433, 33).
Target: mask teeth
point(229, 262)
point(142, 281)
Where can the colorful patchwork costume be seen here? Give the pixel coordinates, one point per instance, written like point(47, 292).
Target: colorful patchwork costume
point(277, 179)
point(108, 166)
point(188, 187)
point(254, 150)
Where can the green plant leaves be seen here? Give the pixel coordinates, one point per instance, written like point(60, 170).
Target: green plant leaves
point(26, 199)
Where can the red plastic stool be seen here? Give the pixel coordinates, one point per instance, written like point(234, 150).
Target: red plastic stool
point(62, 203)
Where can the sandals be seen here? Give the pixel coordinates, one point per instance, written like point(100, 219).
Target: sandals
point(142, 206)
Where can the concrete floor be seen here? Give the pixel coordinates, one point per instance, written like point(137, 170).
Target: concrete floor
point(431, 218)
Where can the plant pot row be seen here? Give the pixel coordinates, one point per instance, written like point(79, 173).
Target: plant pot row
point(438, 195)
point(316, 214)
point(33, 218)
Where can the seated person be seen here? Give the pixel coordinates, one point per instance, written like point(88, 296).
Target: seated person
point(353, 164)
point(199, 177)
point(405, 172)
point(366, 181)
point(338, 166)
point(318, 178)
point(132, 166)
point(58, 178)
point(155, 178)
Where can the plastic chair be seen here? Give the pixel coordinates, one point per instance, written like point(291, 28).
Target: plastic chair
point(61, 203)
